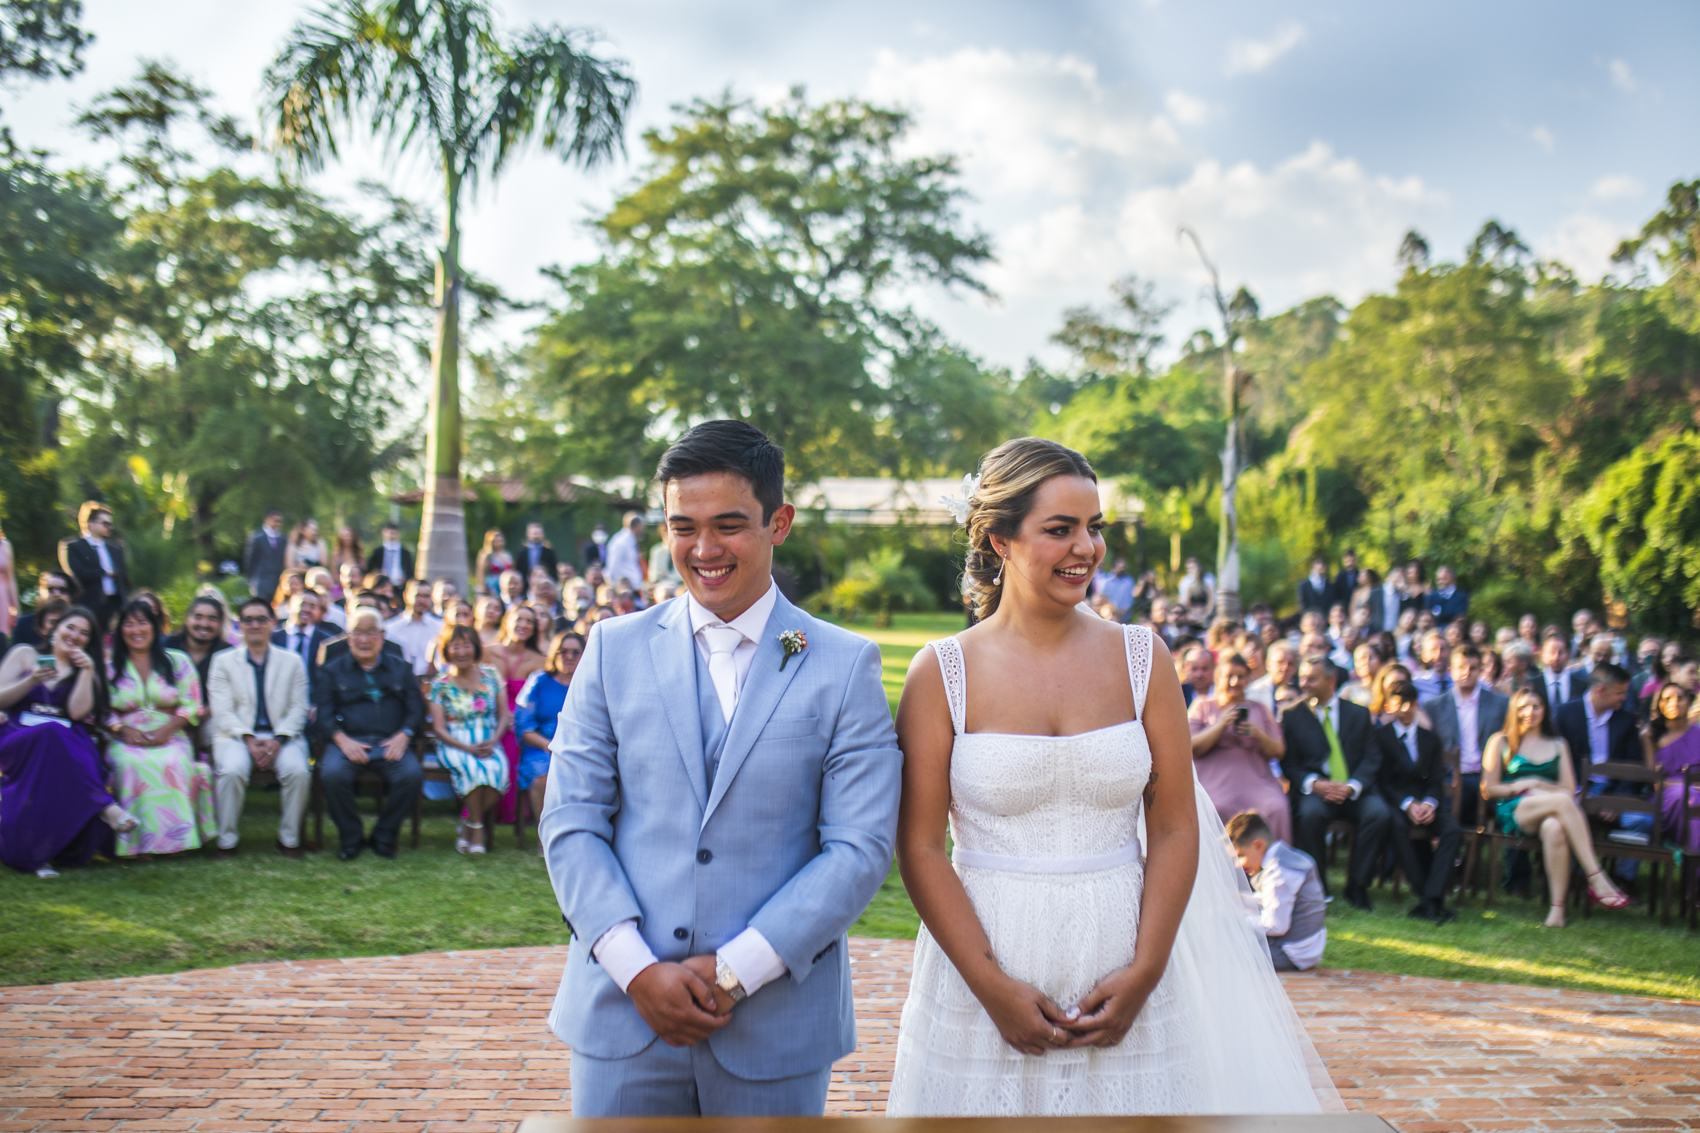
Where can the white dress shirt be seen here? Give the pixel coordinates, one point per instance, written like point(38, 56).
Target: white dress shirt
point(624, 561)
point(1277, 890)
point(1555, 683)
point(107, 585)
point(392, 562)
point(1469, 738)
point(414, 637)
point(1332, 711)
point(622, 950)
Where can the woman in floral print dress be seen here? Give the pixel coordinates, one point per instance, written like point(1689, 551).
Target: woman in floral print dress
point(156, 702)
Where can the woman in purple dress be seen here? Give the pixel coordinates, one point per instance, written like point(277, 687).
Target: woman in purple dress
point(54, 806)
point(1673, 745)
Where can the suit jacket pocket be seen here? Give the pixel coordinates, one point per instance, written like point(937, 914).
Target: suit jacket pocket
point(791, 728)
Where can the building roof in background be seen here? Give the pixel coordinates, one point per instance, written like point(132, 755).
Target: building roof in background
point(513, 490)
point(881, 502)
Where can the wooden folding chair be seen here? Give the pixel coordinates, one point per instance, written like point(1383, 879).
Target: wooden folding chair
point(1655, 852)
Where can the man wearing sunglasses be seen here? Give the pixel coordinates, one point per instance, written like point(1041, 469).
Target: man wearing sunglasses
point(52, 584)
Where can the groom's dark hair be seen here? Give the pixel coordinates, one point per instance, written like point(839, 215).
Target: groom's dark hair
point(729, 446)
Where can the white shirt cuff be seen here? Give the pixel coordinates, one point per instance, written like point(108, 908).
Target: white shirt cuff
point(1357, 787)
point(1309, 781)
point(623, 953)
point(1406, 805)
point(752, 959)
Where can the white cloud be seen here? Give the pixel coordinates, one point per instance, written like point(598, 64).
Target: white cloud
point(1543, 138)
point(1028, 123)
point(1622, 77)
point(1083, 181)
point(1186, 109)
point(1249, 56)
point(1615, 187)
point(1314, 224)
point(1584, 241)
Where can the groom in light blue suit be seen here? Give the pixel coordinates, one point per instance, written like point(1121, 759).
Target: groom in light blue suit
point(722, 806)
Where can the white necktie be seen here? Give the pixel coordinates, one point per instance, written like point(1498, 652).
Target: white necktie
point(722, 641)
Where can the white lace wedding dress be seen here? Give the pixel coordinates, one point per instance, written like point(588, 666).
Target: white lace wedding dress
point(1046, 832)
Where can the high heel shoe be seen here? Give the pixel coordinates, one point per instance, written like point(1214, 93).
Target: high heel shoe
point(121, 820)
point(476, 847)
point(461, 844)
point(1616, 901)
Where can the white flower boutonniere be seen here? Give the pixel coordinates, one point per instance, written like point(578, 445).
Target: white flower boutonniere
point(793, 642)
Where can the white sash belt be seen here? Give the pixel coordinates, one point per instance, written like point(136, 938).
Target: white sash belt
point(1011, 863)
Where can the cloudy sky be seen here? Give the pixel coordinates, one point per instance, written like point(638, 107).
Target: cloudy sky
point(1300, 139)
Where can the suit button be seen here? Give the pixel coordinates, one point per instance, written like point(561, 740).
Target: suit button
point(704, 856)
point(680, 934)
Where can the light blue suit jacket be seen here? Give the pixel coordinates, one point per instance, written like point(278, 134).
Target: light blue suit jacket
point(793, 837)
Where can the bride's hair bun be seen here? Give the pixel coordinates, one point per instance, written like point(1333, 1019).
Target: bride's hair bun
point(1010, 476)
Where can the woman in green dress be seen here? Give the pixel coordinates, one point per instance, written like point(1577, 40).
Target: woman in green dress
point(1526, 775)
point(469, 716)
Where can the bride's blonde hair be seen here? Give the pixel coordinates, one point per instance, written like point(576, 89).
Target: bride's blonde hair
point(1010, 476)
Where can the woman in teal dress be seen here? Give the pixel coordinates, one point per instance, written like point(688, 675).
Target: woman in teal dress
point(469, 716)
point(1526, 774)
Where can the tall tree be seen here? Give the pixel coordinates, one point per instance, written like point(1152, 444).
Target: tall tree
point(254, 330)
point(756, 273)
point(437, 74)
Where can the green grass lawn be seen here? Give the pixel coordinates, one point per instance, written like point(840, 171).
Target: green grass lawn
point(189, 912)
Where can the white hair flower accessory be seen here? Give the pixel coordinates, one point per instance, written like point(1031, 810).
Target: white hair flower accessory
point(958, 505)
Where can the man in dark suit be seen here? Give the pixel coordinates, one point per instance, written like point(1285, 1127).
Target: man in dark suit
point(1599, 729)
point(1447, 601)
point(1333, 769)
point(1465, 717)
point(389, 558)
point(263, 557)
point(96, 562)
point(1316, 592)
point(1558, 684)
point(302, 634)
point(1413, 783)
point(52, 584)
point(534, 555)
point(1347, 580)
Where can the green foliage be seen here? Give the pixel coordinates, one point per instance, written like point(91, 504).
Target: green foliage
point(1641, 520)
point(878, 584)
point(257, 335)
point(750, 275)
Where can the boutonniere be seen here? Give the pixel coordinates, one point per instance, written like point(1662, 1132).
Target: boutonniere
point(793, 642)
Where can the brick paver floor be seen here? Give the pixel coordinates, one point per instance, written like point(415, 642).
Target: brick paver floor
point(456, 1042)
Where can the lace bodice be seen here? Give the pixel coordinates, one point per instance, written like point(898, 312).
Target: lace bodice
point(1047, 796)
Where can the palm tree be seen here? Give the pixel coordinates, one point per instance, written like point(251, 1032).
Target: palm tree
point(436, 74)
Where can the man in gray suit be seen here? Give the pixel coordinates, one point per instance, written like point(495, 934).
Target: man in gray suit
point(1465, 717)
point(722, 805)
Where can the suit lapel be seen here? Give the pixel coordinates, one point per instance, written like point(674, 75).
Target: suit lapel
point(760, 696)
point(673, 654)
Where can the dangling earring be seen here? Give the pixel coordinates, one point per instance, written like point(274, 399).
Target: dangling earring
point(998, 581)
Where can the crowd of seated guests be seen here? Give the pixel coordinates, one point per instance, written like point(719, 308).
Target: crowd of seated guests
point(125, 736)
point(1345, 712)
point(1357, 708)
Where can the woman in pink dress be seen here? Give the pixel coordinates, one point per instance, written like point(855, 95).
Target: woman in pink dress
point(1233, 740)
point(516, 657)
point(8, 586)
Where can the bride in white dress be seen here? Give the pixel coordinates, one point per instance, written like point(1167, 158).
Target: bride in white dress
point(1064, 967)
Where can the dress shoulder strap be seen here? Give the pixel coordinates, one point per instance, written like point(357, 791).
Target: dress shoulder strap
point(1139, 654)
point(949, 652)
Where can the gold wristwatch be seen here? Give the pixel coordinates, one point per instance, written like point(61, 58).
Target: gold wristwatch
point(727, 980)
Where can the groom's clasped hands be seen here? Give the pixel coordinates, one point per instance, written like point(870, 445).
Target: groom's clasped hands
point(680, 1002)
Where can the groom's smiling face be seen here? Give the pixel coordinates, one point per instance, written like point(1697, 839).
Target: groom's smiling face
point(721, 545)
